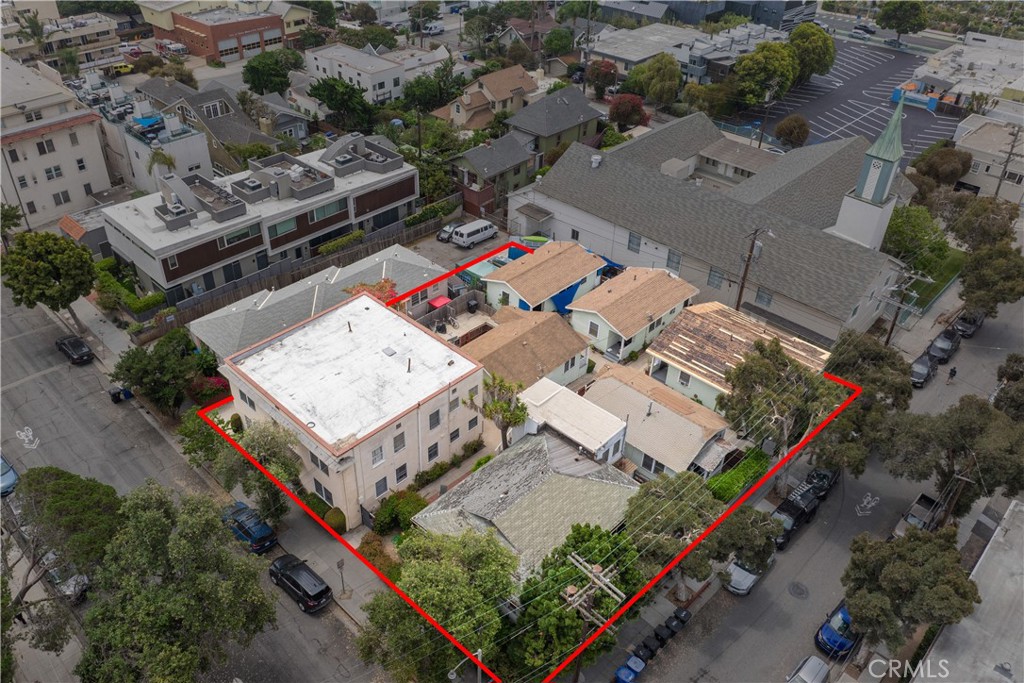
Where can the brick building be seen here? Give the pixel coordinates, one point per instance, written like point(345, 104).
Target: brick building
point(225, 33)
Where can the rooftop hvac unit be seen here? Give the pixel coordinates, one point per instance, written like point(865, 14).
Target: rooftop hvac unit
point(177, 209)
point(252, 184)
point(342, 159)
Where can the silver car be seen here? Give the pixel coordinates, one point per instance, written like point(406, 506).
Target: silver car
point(811, 670)
point(742, 578)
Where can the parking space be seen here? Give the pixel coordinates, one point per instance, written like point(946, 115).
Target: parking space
point(448, 255)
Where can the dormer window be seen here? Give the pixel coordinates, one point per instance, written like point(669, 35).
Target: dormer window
point(215, 109)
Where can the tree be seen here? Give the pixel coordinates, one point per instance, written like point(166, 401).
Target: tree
point(885, 378)
point(32, 29)
point(714, 99)
point(44, 268)
point(460, 581)
point(793, 130)
point(556, 86)
point(577, 9)
point(915, 238)
point(68, 60)
point(628, 110)
point(271, 445)
point(424, 13)
point(324, 12)
point(267, 72)
point(558, 42)
point(774, 397)
point(519, 53)
point(7, 660)
point(902, 16)
point(11, 217)
point(172, 593)
point(765, 74)
point(636, 81)
point(892, 587)
point(476, 31)
point(363, 13)
point(601, 74)
point(252, 150)
point(974, 221)
point(71, 519)
point(662, 79)
point(1010, 397)
point(311, 36)
point(159, 157)
point(945, 166)
point(992, 275)
point(815, 50)
point(176, 71)
point(162, 374)
point(501, 405)
point(146, 63)
point(254, 107)
point(346, 102)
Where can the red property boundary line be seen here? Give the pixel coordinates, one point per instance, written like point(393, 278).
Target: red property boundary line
point(204, 415)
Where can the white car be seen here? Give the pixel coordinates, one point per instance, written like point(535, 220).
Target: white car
point(743, 578)
point(811, 670)
point(859, 35)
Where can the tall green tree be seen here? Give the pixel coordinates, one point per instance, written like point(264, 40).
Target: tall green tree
point(903, 16)
point(348, 107)
point(267, 72)
point(475, 31)
point(162, 374)
point(44, 268)
point(460, 581)
point(11, 217)
point(976, 222)
point(1010, 397)
point(766, 74)
point(363, 13)
point(662, 79)
point(32, 29)
point(916, 238)
point(815, 50)
point(574, 10)
point(520, 53)
point(173, 593)
point(992, 275)
point(424, 13)
point(311, 36)
point(324, 12)
point(68, 61)
point(892, 587)
point(501, 405)
point(557, 42)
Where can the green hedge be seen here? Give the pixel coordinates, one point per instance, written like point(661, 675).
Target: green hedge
point(342, 242)
point(397, 510)
point(431, 474)
point(315, 503)
point(372, 548)
point(108, 284)
point(726, 486)
point(431, 211)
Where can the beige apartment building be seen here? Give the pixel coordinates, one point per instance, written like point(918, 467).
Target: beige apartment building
point(93, 37)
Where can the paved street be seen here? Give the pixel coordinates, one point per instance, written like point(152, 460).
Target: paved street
point(843, 24)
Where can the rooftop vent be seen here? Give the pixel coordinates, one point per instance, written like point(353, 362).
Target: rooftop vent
point(595, 161)
point(177, 209)
point(388, 351)
point(252, 184)
point(342, 159)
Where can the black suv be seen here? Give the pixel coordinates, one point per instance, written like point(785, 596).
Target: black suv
point(300, 582)
point(968, 323)
point(922, 369)
point(798, 509)
point(822, 481)
point(944, 346)
point(865, 28)
point(248, 527)
point(75, 348)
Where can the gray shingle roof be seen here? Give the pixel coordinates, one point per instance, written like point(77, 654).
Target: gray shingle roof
point(234, 127)
point(714, 228)
point(266, 313)
point(555, 113)
point(165, 91)
point(680, 139)
point(502, 154)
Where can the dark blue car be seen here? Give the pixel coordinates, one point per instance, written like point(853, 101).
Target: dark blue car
point(249, 527)
point(836, 637)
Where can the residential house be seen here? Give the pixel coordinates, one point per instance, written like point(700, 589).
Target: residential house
point(92, 37)
point(400, 412)
point(528, 345)
point(52, 155)
point(487, 173)
point(149, 130)
point(261, 315)
point(530, 495)
point(277, 117)
point(562, 116)
point(597, 434)
point(994, 164)
point(642, 12)
point(822, 213)
point(623, 314)
point(549, 279)
point(706, 341)
point(668, 433)
point(299, 98)
point(506, 90)
point(198, 233)
point(783, 15)
point(531, 32)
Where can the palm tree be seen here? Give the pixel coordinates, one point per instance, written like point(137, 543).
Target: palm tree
point(33, 30)
point(158, 157)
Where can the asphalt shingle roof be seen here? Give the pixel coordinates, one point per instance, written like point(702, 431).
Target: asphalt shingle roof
point(551, 268)
point(497, 157)
point(715, 228)
point(631, 300)
point(165, 90)
point(555, 113)
point(234, 127)
point(681, 139)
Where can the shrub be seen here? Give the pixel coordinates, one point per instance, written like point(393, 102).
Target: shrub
point(612, 138)
point(109, 287)
point(235, 422)
point(335, 519)
point(338, 244)
point(107, 265)
point(591, 365)
point(372, 548)
point(633, 355)
point(482, 461)
point(431, 474)
point(542, 171)
point(135, 328)
point(726, 486)
point(204, 390)
point(945, 166)
point(141, 305)
point(314, 502)
point(469, 449)
point(397, 510)
point(431, 211)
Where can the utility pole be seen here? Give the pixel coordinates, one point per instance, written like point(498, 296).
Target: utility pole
point(1009, 155)
point(954, 499)
point(582, 599)
point(907, 277)
point(750, 257)
point(769, 101)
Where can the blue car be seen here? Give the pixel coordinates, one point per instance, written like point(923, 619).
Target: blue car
point(9, 478)
point(248, 527)
point(836, 636)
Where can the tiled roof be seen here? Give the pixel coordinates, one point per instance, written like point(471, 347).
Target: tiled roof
point(631, 301)
point(495, 157)
point(547, 271)
point(526, 345)
point(708, 340)
point(503, 84)
point(680, 139)
point(165, 91)
point(555, 113)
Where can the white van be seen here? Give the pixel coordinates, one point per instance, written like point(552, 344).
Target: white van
point(434, 29)
point(473, 233)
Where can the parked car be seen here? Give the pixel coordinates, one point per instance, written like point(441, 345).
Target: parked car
point(859, 35)
point(820, 23)
point(865, 28)
point(8, 479)
point(925, 513)
point(75, 348)
point(811, 670)
point(65, 578)
point(969, 322)
point(944, 346)
point(892, 42)
point(577, 77)
point(434, 29)
point(743, 577)
point(822, 481)
point(922, 369)
point(300, 582)
point(248, 527)
point(836, 636)
point(445, 233)
point(797, 510)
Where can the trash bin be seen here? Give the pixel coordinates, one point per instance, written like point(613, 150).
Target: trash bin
point(625, 675)
point(126, 393)
point(636, 664)
point(115, 395)
point(472, 305)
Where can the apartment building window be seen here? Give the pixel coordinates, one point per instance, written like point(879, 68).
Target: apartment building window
point(282, 228)
point(432, 452)
point(975, 166)
point(396, 82)
point(715, 278)
point(435, 419)
point(634, 243)
point(652, 465)
point(318, 462)
point(593, 329)
point(81, 164)
point(12, 154)
point(401, 473)
point(574, 235)
point(227, 240)
point(22, 182)
point(674, 260)
point(454, 436)
point(53, 172)
point(88, 189)
point(399, 442)
point(322, 491)
point(322, 212)
point(61, 197)
point(381, 487)
point(246, 400)
point(45, 147)
point(473, 391)
point(31, 116)
point(763, 298)
point(453, 405)
point(650, 328)
point(377, 457)
point(194, 167)
point(74, 139)
point(473, 422)
point(30, 207)
point(1013, 177)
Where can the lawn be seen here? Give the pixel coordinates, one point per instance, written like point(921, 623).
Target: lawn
point(946, 271)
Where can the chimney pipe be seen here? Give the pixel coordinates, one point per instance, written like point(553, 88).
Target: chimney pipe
point(409, 369)
point(349, 325)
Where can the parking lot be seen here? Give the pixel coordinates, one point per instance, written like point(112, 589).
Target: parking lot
point(854, 99)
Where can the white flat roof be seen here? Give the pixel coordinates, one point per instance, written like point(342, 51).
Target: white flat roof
point(346, 372)
point(570, 414)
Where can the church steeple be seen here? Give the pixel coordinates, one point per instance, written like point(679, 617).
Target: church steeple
point(881, 161)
